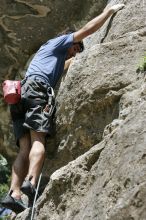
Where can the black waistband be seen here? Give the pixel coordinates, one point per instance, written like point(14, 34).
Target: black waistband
point(37, 77)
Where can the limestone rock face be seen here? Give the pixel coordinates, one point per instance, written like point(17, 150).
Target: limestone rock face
point(89, 95)
point(99, 166)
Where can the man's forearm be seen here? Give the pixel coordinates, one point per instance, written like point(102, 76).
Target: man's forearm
point(93, 25)
point(98, 21)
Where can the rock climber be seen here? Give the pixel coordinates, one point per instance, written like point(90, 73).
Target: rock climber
point(32, 116)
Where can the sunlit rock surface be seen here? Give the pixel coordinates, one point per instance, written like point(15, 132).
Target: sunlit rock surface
point(98, 156)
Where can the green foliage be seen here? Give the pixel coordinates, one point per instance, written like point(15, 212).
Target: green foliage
point(3, 189)
point(5, 217)
point(142, 64)
point(4, 176)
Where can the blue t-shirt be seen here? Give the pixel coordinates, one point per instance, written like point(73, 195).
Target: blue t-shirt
point(49, 60)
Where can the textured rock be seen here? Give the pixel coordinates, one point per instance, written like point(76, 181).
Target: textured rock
point(108, 181)
point(101, 129)
point(91, 92)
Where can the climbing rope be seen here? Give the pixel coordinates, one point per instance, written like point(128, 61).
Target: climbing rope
point(36, 193)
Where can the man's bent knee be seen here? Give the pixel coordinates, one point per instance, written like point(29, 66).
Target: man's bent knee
point(38, 136)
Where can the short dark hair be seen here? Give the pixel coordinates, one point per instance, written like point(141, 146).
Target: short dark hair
point(81, 44)
point(70, 31)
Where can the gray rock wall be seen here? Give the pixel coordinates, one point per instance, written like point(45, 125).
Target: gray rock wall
point(89, 95)
point(99, 167)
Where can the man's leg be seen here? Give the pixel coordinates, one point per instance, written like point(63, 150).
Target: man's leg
point(20, 166)
point(36, 156)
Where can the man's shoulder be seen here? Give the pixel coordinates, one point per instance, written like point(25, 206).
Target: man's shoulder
point(58, 43)
point(60, 38)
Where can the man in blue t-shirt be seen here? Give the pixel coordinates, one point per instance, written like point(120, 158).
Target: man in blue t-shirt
point(48, 63)
point(32, 116)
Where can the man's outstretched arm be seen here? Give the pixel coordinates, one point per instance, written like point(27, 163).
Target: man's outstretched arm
point(93, 25)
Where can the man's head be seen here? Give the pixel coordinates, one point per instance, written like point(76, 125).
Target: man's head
point(77, 47)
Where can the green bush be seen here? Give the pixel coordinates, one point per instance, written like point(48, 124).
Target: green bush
point(3, 189)
point(4, 176)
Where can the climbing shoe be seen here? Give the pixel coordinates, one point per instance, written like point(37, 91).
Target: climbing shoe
point(16, 205)
point(28, 189)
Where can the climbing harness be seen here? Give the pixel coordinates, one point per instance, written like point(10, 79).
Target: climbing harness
point(51, 101)
point(30, 103)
